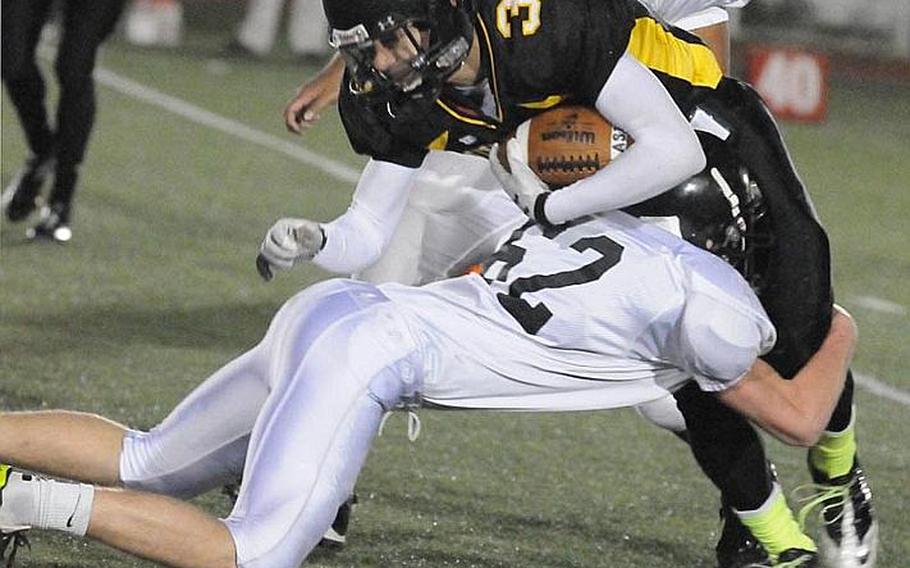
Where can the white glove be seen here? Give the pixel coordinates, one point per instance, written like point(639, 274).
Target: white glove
point(520, 181)
point(287, 242)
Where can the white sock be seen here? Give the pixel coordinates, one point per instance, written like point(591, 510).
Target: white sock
point(50, 504)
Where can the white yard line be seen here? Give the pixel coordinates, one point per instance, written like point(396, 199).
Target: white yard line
point(346, 173)
point(882, 389)
point(229, 126)
point(879, 305)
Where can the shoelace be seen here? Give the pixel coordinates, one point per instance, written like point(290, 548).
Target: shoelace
point(413, 424)
point(823, 497)
point(12, 542)
point(801, 561)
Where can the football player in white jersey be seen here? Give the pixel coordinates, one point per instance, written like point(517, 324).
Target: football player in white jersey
point(601, 313)
point(448, 219)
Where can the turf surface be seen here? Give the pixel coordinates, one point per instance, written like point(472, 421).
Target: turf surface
point(157, 289)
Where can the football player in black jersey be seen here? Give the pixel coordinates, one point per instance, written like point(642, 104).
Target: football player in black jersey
point(427, 76)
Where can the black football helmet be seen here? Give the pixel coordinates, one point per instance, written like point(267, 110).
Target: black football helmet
point(440, 33)
point(721, 210)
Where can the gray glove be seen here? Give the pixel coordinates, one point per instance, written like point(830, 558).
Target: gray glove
point(288, 242)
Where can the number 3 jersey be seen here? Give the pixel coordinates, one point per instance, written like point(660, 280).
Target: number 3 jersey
point(603, 313)
point(534, 56)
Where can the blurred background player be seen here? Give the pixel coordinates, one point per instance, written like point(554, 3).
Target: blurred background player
point(306, 26)
point(58, 150)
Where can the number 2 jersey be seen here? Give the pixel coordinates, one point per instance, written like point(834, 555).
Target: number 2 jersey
point(602, 313)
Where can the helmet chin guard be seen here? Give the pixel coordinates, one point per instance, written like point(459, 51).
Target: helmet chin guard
point(440, 33)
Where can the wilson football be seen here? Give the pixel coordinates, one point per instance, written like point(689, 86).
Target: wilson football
point(566, 144)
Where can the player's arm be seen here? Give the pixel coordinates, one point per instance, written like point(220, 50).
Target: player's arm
point(796, 411)
point(666, 150)
point(353, 241)
point(313, 96)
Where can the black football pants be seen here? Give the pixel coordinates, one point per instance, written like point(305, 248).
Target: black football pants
point(85, 25)
point(797, 296)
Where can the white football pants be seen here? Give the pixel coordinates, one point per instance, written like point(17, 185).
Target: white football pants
point(301, 408)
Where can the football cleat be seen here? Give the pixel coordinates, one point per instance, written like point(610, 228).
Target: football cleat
point(737, 548)
point(796, 558)
point(849, 538)
point(54, 224)
point(19, 197)
point(12, 535)
point(336, 536)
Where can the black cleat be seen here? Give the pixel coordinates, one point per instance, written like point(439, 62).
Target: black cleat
point(849, 538)
point(796, 558)
point(20, 196)
point(737, 548)
point(336, 536)
point(236, 50)
point(54, 224)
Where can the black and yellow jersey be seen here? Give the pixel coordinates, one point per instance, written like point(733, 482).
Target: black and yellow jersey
point(535, 54)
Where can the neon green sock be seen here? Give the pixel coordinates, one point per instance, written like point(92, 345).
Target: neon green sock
point(834, 453)
point(774, 526)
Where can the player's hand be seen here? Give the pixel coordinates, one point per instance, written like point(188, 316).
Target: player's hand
point(519, 180)
point(288, 242)
point(313, 96)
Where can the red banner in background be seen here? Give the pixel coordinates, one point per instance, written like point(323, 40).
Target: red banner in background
point(793, 81)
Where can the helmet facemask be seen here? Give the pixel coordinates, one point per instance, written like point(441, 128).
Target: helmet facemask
point(427, 46)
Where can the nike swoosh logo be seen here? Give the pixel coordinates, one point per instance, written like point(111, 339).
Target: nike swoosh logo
point(69, 521)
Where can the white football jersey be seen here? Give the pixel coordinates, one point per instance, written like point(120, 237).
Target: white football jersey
point(673, 11)
point(605, 313)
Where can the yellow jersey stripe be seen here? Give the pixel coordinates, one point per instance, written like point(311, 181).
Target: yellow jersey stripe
point(660, 50)
point(461, 117)
point(548, 102)
point(440, 142)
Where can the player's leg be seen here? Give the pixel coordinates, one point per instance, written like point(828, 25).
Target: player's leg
point(260, 26)
point(86, 24)
point(312, 434)
point(664, 413)
point(201, 442)
point(315, 430)
point(148, 525)
point(74, 445)
point(798, 298)
point(22, 23)
point(308, 29)
point(199, 445)
point(730, 452)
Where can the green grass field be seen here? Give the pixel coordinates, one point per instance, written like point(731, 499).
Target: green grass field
point(158, 289)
